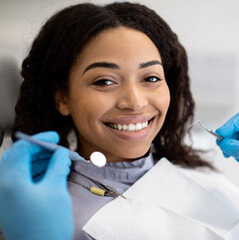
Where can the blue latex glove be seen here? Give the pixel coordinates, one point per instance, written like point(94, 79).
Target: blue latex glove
point(230, 132)
point(40, 162)
point(30, 210)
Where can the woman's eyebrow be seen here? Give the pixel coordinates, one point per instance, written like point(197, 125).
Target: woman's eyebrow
point(102, 64)
point(150, 63)
point(115, 66)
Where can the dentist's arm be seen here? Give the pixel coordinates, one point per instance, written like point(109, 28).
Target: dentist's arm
point(35, 210)
point(230, 132)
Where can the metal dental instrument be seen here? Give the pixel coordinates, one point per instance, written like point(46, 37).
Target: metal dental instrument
point(220, 138)
point(48, 146)
point(102, 190)
point(96, 158)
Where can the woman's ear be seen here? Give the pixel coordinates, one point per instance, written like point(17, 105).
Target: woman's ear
point(62, 103)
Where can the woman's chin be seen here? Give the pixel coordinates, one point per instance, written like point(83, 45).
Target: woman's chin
point(132, 156)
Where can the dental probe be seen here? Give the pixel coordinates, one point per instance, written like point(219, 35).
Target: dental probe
point(220, 138)
point(96, 158)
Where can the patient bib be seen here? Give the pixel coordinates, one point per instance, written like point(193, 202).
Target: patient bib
point(165, 204)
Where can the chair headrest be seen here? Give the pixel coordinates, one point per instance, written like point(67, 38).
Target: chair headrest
point(10, 81)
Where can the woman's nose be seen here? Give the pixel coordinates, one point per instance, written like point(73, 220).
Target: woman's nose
point(133, 98)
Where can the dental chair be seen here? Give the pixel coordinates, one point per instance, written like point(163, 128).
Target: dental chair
point(10, 81)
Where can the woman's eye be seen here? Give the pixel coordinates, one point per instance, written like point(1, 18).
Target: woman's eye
point(103, 82)
point(152, 79)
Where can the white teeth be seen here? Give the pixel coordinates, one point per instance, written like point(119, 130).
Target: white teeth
point(139, 126)
point(125, 127)
point(131, 127)
point(145, 124)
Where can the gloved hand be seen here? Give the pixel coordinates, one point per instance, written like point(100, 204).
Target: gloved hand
point(230, 132)
point(30, 210)
point(40, 162)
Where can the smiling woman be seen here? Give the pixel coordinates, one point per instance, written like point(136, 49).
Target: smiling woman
point(128, 89)
point(118, 44)
point(117, 77)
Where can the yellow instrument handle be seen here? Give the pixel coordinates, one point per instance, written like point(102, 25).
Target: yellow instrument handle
point(97, 191)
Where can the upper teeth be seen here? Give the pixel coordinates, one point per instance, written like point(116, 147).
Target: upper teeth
point(131, 127)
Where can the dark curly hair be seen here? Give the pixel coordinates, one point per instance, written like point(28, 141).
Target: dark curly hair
point(54, 51)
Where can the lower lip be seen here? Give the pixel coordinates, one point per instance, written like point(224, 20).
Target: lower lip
point(130, 135)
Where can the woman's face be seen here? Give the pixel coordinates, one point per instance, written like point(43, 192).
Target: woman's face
point(118, 97)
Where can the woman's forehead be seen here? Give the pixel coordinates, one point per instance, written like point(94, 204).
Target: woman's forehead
point(120, 45)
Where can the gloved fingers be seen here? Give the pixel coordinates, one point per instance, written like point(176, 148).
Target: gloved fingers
point(32, 149)
point(219, 145)
point(38, 168)
point(50, 136)
point(40, 161)
point(18, 158)
point(58, 167)
point(39, 165)
point(22, 153)
point(230, 128)
point(226, 155)
point(230, 147)
point(218, 142)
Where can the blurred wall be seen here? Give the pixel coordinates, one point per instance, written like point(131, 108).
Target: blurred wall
point(209, 31)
